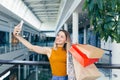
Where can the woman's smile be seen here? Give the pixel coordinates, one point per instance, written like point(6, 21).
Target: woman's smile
point(60, 38)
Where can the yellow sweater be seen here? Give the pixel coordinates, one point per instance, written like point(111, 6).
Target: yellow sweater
point(58, 62)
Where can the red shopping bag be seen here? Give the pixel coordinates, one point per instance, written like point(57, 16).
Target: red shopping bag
point(89, 50)
point(81, 57)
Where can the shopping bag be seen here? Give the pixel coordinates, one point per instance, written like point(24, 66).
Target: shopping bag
point(86, 73)
point(89, 50)
point(81, 58)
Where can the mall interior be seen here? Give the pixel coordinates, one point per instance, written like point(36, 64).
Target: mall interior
point(42, 20)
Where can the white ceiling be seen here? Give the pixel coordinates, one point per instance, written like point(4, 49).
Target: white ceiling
point(45, 10)
point(52, 13)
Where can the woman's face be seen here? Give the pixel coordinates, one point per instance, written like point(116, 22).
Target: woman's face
point(60, 38)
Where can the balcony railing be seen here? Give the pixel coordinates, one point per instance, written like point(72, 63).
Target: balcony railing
point(26, 70)
point(40, 70)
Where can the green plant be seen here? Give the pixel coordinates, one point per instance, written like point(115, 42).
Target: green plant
point(104, 15)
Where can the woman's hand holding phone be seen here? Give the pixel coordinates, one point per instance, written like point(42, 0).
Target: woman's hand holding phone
point(21, 24)
point(18, 28)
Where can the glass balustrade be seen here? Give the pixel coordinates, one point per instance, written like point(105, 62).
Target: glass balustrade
point(40, 70)
point(25, 70)
point(10, 47)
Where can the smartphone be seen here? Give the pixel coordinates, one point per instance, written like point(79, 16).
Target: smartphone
point(21, 23)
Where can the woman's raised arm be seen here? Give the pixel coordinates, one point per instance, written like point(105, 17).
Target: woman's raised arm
point(38, 49)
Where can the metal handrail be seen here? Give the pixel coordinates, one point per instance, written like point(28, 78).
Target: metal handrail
point(108, 66)
point(19, 62)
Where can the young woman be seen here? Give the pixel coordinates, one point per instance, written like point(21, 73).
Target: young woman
point(57, 54)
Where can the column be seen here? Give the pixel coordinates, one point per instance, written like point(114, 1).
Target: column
point(38, 57)
point(30, 37)
point(10, 34)
point(36, 72)
point(10, 30)
point(85, 35)
point(75, 40)
point(71, 66)
point(25, 71)
point(66, 26)
point(75, 28)
point(19, 72)
point(115, 60)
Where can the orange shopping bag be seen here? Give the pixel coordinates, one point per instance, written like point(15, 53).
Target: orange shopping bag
point(81, 57)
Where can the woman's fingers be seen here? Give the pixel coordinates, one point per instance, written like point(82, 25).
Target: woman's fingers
point(17, 30)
